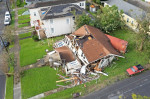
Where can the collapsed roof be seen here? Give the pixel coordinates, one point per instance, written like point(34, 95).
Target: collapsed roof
point(65, 54)
point(94, 43)
point(118, 44)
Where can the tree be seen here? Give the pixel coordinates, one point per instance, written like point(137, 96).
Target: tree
point(97, 1)
point(109, 19)
point(83, 19)
point(143, 37)
point(9, 34)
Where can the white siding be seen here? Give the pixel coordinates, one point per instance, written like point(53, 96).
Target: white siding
point(32, 17)
point(37, 17)
point(81, 4)
point(60, 26)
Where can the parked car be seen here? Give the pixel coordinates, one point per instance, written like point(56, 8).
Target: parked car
point(6, 44)
point(7, 21)
point(135, 69)
point(7, 15)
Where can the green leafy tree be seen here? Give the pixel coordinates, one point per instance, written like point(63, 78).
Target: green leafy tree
point(83, 19)
point(109, 19)
point(143, 37)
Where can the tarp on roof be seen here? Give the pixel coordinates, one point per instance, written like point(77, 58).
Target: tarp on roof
point(119, 44)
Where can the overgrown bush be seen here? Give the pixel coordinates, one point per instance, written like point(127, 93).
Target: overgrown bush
point(35, 36)
point(18, 3)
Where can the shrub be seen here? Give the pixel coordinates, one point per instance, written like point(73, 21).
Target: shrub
point(35, 36)
point(18, 2)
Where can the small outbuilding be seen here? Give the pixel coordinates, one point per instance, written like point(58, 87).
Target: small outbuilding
point(92, 8)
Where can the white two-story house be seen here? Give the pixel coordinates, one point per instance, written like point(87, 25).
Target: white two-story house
point(57, 20)
point(34, 8)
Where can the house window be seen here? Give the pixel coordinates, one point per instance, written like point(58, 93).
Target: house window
point(132, 22)
point(51, 21)
point(68, 21)
point(34, 13)
point(127, 19)
point(52, 30)
point(82, 4)
point(73, 17)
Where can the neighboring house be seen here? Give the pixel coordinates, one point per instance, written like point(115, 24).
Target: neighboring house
point(29, 2)
point(148, 1)
point(57, 20)
point(131, 12)
point(34, 8)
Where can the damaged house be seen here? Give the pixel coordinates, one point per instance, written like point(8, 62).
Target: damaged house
point(89, 48)
point(85, 52)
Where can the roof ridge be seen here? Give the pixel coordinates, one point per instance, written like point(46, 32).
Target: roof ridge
point(46, 12)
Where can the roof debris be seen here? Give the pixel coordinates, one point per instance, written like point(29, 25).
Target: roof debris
point(84, 54)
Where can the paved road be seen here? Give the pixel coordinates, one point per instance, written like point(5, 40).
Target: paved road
point(2, 85)
point(139, 84)
point(3, 8)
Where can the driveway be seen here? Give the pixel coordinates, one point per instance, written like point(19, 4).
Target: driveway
point(2, 85)
point(139, 84)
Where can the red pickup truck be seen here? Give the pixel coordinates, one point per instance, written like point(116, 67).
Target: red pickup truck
point(135, 69)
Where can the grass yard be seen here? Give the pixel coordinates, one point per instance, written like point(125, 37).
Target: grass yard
point(23, 21)
point(22, 17)
point(38, 80)
point(31, 50)
point(115, 71)
point(21, 11)
point(23, 25)
point(13, 19)
point(9, 81)
point(25, 35)
point(9, 87)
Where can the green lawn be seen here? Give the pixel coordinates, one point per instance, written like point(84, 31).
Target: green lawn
point(22, 17)
point(25, 35)
point(115, 71)
point(38, 80)
point(24, 21)
point(9, 87)
point(23, 25)
point(21, 11)
point(13, 19)
point(32, 50)
point(9, 81)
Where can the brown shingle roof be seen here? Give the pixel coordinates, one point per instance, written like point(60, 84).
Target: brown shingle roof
point(51, 3)
point(65, 53)
point(97, 47)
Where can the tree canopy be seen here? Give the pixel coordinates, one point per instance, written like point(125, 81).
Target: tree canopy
point(81, 20)
point(109, 19)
